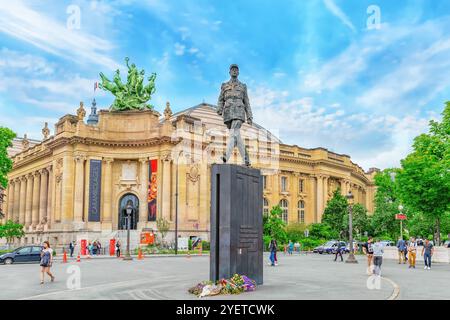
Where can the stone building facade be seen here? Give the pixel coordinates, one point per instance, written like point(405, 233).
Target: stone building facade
point(74, 184)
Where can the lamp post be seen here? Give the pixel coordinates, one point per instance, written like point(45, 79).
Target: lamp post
point(400, 208)
point(129, 211)
point(351, 257)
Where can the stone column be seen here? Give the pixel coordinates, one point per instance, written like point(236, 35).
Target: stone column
point(16, 200)
point(23, 190)
point(143, 178)
point(78, 205)
point(107, 194)
point(325, 191)
point(166, 187)
point(29, 201)
point(50, 195)
point(9, 201)
point(43, 195)
point(319, 198)
point(35, 205)
point(67, 192)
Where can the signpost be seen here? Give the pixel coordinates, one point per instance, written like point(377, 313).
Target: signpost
point(400, 216)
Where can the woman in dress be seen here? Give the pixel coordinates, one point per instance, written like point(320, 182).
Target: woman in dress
point(46, 261)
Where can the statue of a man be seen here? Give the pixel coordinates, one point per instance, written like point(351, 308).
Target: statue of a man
point(234, 106)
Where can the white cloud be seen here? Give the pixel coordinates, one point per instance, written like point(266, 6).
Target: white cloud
point(20, 21)
point(336, 11)
point(30, 64)
point(179, 49)
point(372, 140)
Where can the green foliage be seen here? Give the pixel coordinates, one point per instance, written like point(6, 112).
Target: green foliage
point(6, 137)
point(274, 226)
point(206, 245)
point(163, 227)
point(386, 205)
point(295, 231)
point(336, 213)
point(11, 231)
point(309, 243)
point(361, 222)
point(424, 179)
point(322, 231)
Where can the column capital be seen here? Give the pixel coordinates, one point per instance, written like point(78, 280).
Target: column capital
point(80, 157)
point(108, 161)
point(166, 156)
point(29, 176)
point(36, 174)
point(42, 171)
point(143, 160)
point(49, 168)
point(23, 178)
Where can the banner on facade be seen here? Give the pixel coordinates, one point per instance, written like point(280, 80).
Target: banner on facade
point(95, 183)
point(152, 190)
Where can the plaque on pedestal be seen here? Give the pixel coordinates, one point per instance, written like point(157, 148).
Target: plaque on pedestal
point(236, 222)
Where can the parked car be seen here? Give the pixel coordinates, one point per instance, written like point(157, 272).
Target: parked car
point(331, 246)
point(447, 244)
point(26, 254)
point(388, 243)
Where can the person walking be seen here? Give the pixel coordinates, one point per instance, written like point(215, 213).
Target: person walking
point(99, 248)
point(275, 256)
point(118, 248)
point(427, 253)
point(378, 250)
point(401, 247)
point(71, 248)
point(46, 261)
point(368, 251)
point(338, 251)
point(272, 250)
point(290, 247)
point(412, 252)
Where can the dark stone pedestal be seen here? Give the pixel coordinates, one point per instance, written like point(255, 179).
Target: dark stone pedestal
point(236, 222)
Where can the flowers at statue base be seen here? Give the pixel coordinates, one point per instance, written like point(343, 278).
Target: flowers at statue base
point(236, 285)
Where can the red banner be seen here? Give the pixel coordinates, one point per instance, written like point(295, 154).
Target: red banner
point(152, 190)
point(112, 247)
point(83, 247)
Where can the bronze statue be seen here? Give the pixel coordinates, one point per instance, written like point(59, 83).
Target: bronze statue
point(234, 106)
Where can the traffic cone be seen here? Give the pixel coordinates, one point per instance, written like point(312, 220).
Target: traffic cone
point(64, 256)
point(78, 258)
point(140, 257)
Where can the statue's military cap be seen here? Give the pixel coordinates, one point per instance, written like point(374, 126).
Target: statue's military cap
point(234, 66)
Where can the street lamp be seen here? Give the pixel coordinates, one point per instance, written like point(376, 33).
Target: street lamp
point(400, 208)
point(351, 257)
point(129, 211)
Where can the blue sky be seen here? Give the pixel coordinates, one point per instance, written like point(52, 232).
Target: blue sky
point(317, 75)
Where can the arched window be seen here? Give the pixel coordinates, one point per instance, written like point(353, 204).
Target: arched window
point(266, 208)
point(284, 204)
point(301, 211)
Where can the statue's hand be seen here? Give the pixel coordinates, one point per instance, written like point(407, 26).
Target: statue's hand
point(250, 121)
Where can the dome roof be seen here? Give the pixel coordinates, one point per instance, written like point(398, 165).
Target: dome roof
point(207, 114)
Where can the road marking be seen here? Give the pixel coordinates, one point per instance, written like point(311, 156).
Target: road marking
point(396, 291)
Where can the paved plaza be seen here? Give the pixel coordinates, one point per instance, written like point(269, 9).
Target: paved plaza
point(299, 277)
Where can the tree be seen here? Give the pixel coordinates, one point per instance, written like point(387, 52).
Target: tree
point(387, 200)
point(6, 137)
point(163, 227)
point(336, 213)
point(322, 231)
point(274, 226)
point(360, 220)
point(424, 179)
point(11, 231)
